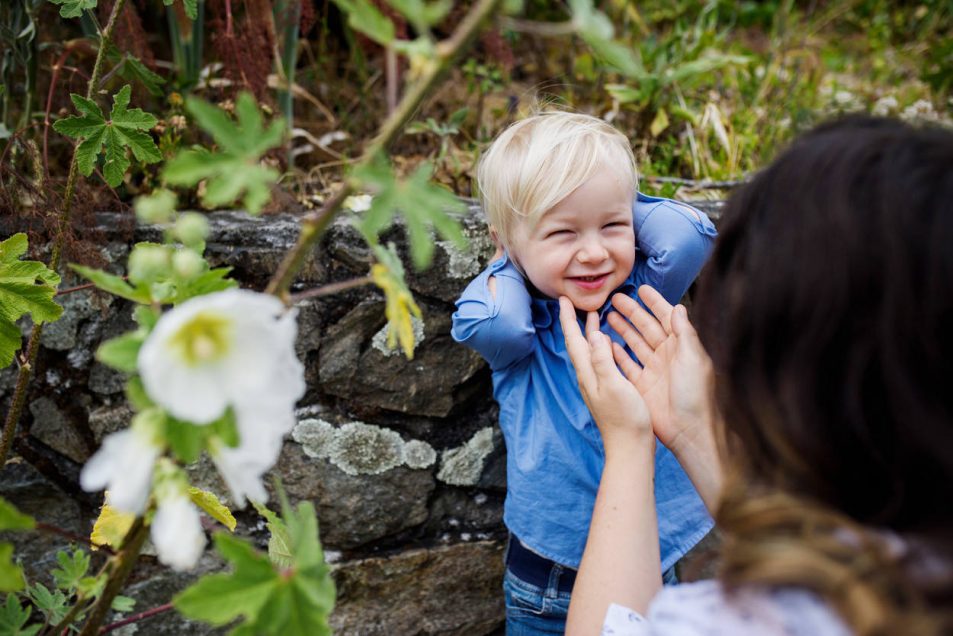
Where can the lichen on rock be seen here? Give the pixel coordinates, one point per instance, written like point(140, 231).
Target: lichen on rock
point(462, 466)
point(419, 455)
point(315, 437)
point(362, 449)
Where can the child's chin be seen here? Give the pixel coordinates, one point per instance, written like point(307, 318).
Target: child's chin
point(588, 304)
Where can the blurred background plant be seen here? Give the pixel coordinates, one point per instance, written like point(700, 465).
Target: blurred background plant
point(706, 89)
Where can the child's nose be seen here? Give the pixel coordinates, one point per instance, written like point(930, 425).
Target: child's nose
point(592, 251)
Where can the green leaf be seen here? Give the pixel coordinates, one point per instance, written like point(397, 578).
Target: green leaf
point(134, 70)
point(279, 543)
point(123, 130)
point(74, 8)
point(26, 287)
point(186, 440)
point(11, 577)
point(365, 17)
point(191, 7)
point(211, 281)
point(113, 284)
point(13, 618)
point(659, 123)
point(220, 598)
point(234, 172)
point(53, 604)
point(424, 205)
point(122, 353)
point(213, 507)
point(123, 604)
point(137, 396)
point(13, 519)
point(72, 569)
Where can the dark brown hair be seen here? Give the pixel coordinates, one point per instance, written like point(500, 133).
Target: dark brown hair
point(827, 308)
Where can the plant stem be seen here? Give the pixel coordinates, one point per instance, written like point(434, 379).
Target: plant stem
point(314, 224)
point(333, 288)
point(122, 565)
point(72, 536)
point(62, 223)
point(135, 618)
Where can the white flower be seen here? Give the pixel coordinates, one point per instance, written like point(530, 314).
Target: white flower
point(261, 429)
point(177, 531)
point(123, 465)
point(234, 347)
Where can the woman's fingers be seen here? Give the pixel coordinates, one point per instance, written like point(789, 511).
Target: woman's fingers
point(657, 304)
point(642, 350)
point(629, 367)
point(576, 345)
point(645, 323)
point(592, 322)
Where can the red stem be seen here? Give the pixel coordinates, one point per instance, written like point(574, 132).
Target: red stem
point(135, 618)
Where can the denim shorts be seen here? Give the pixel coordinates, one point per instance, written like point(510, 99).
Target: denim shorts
point(533, 609)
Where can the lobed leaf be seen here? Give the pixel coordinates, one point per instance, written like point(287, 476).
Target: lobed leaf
point(13, 618)
point(26, 287)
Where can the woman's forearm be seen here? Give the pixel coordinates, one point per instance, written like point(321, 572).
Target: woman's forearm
point(697, 452)
point(621, 562)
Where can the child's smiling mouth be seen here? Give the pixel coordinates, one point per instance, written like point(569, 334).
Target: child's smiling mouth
point(590, 282)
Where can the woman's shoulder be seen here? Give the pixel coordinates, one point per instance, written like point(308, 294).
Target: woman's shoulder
point(705, 608)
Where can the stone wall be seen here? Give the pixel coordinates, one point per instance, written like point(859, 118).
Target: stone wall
point(402, 458)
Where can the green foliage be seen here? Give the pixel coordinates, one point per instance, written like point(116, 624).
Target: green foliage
point(13, 618)
point(279, 543)
point(424, 205)
point(423, 15)
point(52, 604)
point(124, 129)
point(234, 171)
point(596, 29)
point(122, 352)
point(188, 441)
point(72, 571)
point(13, 519)
point(269, 599)
point(191, 7)
point(363, 16)
point(11, 576)
point(26, 287)
point(130, 68)
point(74, 8)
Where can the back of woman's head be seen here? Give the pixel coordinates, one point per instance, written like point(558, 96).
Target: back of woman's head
point(827, 307)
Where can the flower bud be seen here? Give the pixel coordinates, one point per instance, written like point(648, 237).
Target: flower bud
point(148, 263)
point(156, 207)
point(191, 228)
point(187, 264)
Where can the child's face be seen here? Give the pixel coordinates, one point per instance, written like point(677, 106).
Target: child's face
point(584, 246)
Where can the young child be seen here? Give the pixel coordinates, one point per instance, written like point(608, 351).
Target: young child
point(559, 191)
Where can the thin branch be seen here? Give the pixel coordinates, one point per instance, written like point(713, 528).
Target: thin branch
point(135, 618)
point(333, 288)
point(72, 536)
point(313, 225)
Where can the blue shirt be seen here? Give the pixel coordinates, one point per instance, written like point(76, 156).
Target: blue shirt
point(554, 451)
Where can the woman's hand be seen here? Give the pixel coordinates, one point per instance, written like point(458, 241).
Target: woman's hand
point(615, 404)
point(675, 378)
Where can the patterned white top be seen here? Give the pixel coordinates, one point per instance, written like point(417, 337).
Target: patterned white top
point(703, 609)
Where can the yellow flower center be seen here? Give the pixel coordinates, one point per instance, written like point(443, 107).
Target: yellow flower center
point(206, 338)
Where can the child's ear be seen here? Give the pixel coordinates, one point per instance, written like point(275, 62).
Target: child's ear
point(497, 243)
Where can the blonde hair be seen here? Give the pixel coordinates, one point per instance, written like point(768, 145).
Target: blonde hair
point(538, 161)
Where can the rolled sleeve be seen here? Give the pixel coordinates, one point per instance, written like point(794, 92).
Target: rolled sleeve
point(501, 328)
point(674, 243)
